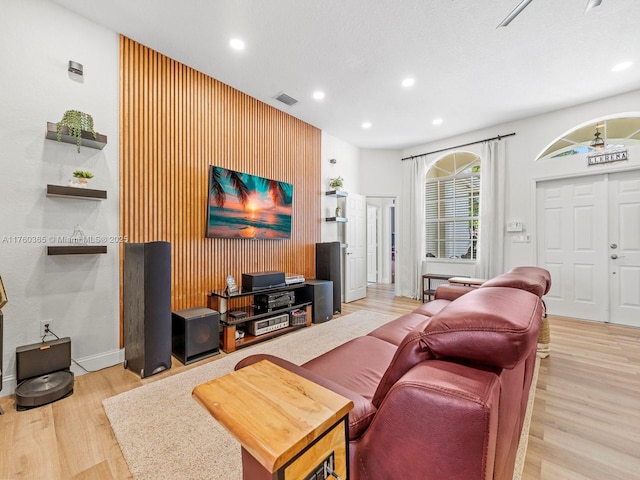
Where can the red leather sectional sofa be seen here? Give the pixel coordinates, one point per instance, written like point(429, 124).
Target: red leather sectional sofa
point(440, 393)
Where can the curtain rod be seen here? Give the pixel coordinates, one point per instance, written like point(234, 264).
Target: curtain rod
point(499, 137)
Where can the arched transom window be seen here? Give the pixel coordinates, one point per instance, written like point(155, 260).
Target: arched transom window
point(452, 199)
point(609, 134)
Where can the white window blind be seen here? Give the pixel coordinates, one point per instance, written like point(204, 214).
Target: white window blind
point(452, 213)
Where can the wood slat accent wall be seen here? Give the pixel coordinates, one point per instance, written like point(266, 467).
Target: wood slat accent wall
point(174, 123)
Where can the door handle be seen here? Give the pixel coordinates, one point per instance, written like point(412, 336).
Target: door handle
point(614, 256)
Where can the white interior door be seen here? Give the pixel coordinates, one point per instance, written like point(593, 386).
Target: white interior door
point(372, 244)
point(589, 240)
point(355, 264)
point(624, 247)
point(572, 245)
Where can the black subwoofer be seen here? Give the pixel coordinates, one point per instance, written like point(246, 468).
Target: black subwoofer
point(328, 268)
point(195, 334)
point(320, 293)
point(147, 307)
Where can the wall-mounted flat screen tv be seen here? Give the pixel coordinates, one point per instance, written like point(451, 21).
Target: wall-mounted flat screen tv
point(247, 206)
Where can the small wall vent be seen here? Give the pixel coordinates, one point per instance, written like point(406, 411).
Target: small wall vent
point(286, 99)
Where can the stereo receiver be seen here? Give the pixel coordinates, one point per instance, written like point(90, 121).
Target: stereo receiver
point(266, 325)
point(274, 300)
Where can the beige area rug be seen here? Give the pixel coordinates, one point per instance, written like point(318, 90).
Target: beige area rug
point(165, 434)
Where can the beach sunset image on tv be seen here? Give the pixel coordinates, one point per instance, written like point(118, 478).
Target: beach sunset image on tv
point(247, 206)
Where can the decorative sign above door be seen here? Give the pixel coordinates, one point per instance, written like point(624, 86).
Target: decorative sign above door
point(607, 157)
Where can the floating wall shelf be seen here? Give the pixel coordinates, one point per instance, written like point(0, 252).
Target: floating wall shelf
point(336, 193)
point(87, 137)
point(76, 250)
point(74, 192)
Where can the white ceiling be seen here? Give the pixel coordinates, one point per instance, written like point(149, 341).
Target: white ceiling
point(467, 72)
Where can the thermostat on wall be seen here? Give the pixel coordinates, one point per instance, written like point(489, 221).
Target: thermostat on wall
point(514, 227)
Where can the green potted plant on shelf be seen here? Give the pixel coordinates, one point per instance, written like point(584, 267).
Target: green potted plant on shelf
point(336, 183)
point(83, 177)
point(76, 122)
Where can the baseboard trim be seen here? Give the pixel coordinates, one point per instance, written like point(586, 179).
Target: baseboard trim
point(92, 363)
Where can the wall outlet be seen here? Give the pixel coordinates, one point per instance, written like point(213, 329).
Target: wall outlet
point(43, 327)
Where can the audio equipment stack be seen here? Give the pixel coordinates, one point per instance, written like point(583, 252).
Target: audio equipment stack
point(270, 301)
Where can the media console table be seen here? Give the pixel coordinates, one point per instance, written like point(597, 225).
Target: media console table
point(225, 303)
point(289, 427)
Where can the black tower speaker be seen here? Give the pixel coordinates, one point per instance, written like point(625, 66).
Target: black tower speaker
point(328, 268)
point(320, 293)
point(195, 334)
point(147, 307)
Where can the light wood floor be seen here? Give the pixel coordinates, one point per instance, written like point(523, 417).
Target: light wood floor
point(586, 419)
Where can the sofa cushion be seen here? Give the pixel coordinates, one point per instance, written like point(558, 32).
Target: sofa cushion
point(408, 354)
point(452, 292)
point(492, 325)
point(363, 410)
point(531, 279)
point(530, 270)
point(431, 308)
point(357, 364)
point(395, 331)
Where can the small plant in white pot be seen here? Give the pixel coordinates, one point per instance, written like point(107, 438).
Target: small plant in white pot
point(336, 183)
point(82, 178)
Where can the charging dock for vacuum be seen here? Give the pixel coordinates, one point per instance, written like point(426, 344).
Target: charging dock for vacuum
point(43, 371)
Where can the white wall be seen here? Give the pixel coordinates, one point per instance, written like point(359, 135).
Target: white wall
point(532, 136)
point(80, 294)
point(347, 166)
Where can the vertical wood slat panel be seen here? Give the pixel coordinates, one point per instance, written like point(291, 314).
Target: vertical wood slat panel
point(174, 123)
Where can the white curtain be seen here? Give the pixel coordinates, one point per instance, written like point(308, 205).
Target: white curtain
point(410, 245)
point(492, 210)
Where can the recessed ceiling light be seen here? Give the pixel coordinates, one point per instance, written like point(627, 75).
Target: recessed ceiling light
point(408, 82)
point(366, 125)
point(236, 44)
point(621, 66)
point(318, 95)
point(437, 121)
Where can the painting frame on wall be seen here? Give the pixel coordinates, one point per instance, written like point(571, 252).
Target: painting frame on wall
point(243, 205)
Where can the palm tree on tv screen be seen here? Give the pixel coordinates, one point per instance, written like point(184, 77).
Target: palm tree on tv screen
point(235, 179)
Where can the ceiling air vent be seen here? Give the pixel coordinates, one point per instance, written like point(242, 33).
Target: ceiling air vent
point(286, 99)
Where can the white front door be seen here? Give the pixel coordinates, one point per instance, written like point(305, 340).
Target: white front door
point(372, 243)
point(355, 264)
point(624, 247)
point(572, 245)
point(589, 240)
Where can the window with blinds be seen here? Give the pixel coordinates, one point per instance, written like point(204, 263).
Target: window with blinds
point(452, 200)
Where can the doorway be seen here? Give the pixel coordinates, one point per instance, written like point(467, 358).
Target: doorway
point(588, 238)
point(381, 250)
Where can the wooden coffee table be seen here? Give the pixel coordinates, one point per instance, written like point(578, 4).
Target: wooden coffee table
point(288, 426)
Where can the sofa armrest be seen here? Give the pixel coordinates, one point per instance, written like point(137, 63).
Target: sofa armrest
point(439, 421)
point(363, 410)
point(452, 292)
